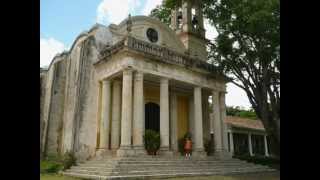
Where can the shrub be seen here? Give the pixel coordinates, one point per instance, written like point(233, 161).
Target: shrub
point(68, 160)
point(151, 140)
point(50, 166)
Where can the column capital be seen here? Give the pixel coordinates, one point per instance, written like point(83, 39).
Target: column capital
point(138, 75)
point(215, 92)
point(128, 70)
point(164, 80)
point(223, 92)
point(117, 81)
point(105, 81)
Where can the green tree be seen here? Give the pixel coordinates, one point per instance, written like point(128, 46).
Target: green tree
point(163, 13)
point(247, 49)
point(238, 111)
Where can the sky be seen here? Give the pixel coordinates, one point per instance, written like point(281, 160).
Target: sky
point(61, 21)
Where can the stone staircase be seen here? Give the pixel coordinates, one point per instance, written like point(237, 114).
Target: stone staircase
point(148, 167)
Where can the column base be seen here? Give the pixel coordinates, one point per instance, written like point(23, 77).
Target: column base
point(223, 154)
point(99, 153)
point(200, 153)
point(125, 151)
point(139, 150)
point(165, 151)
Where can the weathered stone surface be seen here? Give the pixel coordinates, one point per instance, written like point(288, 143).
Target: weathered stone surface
point(72, 101)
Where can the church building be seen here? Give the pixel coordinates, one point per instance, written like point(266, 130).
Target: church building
point(115, 82)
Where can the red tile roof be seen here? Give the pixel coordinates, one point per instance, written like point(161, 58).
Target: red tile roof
point(240, 122)
point(244, 123)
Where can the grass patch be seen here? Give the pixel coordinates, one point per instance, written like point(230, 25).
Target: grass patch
point(267, 161)
point(50, 166)
point(56, 177)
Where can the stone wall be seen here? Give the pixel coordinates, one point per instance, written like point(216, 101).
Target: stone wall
point(56, 109)
point(87, 102)
point(42, 98)
point(70, 102)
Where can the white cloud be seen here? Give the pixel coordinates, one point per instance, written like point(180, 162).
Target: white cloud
point(236, 97)
point(149, 5)
point(49, 47)
point(110, 11)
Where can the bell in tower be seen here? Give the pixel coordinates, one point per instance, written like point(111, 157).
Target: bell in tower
point(187, 21)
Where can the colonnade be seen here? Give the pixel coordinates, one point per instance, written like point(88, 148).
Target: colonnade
point(128, 117)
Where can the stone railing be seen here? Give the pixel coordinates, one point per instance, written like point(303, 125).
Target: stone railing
point(160, 53)
point(109, 50)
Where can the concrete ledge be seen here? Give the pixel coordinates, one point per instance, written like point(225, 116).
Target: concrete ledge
point(199, 153)
point(125, 151)
point(222, 154)
point(139, 151)
point(165, 151)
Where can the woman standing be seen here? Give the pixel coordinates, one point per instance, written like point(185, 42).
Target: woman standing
point(188, 147)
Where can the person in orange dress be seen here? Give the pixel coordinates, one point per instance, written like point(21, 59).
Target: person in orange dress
point(188, 147)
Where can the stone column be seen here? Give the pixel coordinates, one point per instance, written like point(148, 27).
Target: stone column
point(138, 111)
point(198, 129)
point(173, 122)
point(216, 122)
point(116, 114)
point(224, 131)
point(250, 144)
point(186, 16)
point(164, 114)
point(126, 114)
point(191, 116)
point(105, 114)
point(266, 153)
point(231, 142)
point(205, 117)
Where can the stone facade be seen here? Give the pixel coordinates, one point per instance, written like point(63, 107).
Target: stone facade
point(94, 95)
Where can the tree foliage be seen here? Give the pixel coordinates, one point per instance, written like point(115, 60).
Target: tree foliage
point(162, 13)
point(247, 49)
point(237, 111)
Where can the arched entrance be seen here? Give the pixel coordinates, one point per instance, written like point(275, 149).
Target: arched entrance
point(152, 116)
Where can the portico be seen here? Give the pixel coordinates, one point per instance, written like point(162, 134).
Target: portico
point(120, 80)
point(141, 84)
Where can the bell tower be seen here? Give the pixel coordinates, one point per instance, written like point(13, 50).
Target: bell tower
point(187, 22)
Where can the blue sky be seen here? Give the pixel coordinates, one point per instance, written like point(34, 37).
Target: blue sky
point(61, 21)
point(65, 19)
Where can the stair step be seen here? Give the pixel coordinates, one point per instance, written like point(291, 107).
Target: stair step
point(163, 166)
point(145, 171)
point(133, 167)
point(162, 175)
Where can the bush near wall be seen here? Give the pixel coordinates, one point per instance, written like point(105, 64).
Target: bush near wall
point(50, 166)
point(53, 164)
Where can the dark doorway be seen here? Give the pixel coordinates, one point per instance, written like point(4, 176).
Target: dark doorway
point(152, 116)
